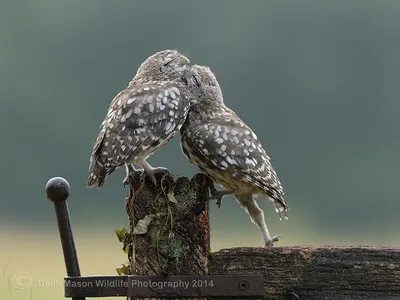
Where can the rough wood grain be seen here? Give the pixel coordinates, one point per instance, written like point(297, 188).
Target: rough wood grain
point(317, 272)
point(177, 241)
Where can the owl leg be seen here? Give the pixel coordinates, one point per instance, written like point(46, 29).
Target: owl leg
point(217, 194)
point(150, 171)
point(130, 171)
point(257, 217)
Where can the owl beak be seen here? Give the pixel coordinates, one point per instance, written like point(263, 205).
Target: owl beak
point(186, 60)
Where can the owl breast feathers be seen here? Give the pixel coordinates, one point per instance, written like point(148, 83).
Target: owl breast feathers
point(139, 122)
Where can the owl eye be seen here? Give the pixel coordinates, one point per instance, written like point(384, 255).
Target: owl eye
point(197, 81)
point(166, 65)
point(168, 62)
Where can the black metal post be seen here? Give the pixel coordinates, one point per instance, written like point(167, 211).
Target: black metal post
point(57, 191)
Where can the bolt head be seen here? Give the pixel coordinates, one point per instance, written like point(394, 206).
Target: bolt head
point(243, 285)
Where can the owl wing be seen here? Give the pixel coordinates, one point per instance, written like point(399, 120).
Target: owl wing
point(228, 144)
point(138, 122)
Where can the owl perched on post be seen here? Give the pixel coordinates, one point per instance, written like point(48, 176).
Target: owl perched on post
point(223, 147)
point(142, 118)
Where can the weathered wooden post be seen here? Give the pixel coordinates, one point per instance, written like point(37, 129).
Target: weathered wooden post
point(169, 226)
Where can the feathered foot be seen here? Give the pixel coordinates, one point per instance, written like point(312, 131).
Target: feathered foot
point(216, 194)
point(270, 242)
point(151, 172)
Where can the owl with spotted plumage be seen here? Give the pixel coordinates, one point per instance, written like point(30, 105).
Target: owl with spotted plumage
point(224, 148)
point(142, 118)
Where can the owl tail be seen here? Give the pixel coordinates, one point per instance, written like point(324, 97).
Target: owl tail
point(281, 207)
point(97, 177)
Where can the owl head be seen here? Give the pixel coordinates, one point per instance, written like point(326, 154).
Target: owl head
point(163, 65)
point(203, 85)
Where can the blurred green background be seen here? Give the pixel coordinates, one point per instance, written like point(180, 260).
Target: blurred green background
point(318, 81)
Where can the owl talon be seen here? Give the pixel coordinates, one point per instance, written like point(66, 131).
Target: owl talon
point(129, 170)
point(126, 182)
point(271, 242)
point(153, 171)
point(130, 173)
point(219, 202)
point(215, 194)
point(218, 195)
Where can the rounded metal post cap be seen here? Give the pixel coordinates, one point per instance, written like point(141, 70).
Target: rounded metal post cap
point(57, 189)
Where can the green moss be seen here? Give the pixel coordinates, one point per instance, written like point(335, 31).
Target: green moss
point(158, 204)
point(177, 249)
point(186, 200)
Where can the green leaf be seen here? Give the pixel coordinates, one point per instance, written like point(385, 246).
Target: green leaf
point(125, 249)
point(122, 270)
point(120, 234)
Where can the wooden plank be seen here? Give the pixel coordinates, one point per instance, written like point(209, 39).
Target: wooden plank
point(317, 272)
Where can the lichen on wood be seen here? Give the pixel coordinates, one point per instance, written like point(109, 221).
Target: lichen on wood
point(169, 226)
